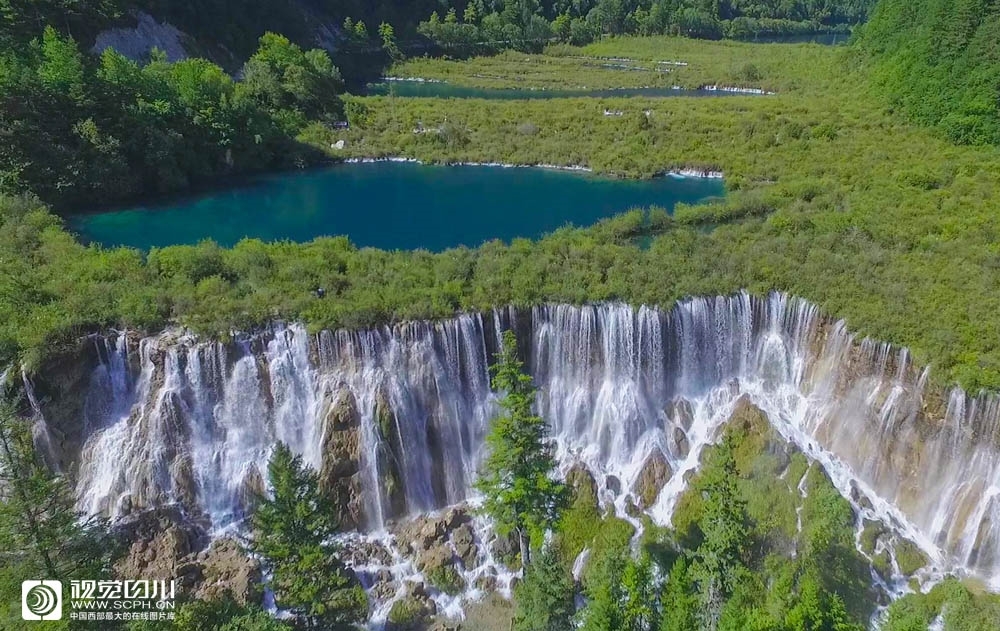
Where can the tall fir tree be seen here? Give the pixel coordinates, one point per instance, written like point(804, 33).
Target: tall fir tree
point(42, 537)
point(545, 599)
point(521, 494)
point(292, 531)
point(720, 559)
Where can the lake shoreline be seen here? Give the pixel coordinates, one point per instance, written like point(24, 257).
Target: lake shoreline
point(394, 203)
point(241, 180)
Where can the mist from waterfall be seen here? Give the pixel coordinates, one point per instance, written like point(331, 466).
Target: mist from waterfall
point(174, 419)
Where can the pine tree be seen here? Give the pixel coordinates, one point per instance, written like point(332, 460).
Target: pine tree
point(42, 537)
point(517, 476)
point(719, 560)
point(639, 612)
point(679, 603)
point(292, 531)
point(545, 598)
point(38, 524)
point(389, 44)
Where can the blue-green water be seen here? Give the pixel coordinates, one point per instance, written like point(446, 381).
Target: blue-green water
point(392, 206)
point(447, 90)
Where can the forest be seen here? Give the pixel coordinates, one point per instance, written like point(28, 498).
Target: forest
point(528, 25)
point(938, 61)
point(876, 204)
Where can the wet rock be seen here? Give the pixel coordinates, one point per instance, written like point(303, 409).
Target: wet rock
point(883, 564)
point(427, 531)
point(507, 550)
point(341, 448)
point(446, 579)
point(681, 413)
point(679, 444)
point(159, 542)
point(653, 476)
point(366, 553)
point(226, 569)
point(62, 384)
point(631, 509)
point(251, 489)
point(859, 497)
point(390, 448)
point(748, 415)
point(613, 484)
point(384, 586)
point(486, 582)
point(435, 558)
point(581, 481)
point(909, 557)
point(413, 612)
point(870, 535)
point(465, 546)
point(439, 566)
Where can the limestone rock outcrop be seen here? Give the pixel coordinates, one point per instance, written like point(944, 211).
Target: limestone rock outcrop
point(167, 545)
point(652, 477)
point(340, 473)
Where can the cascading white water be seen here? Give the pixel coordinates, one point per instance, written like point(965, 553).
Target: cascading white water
point(194, 422)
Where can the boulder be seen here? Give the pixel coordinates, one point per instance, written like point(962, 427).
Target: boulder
point(679, 411)
point(164, 544)
point(428, 531)
point(507, 550)
point(652, 477)
point(384, 586)
point(581, 481)
point(340, 476)
point(413, 612)
point(159, 544)
point(679, 444)
point(465, 545)
point(227, 569)
point(486, 582)
point(435, 558)
point(613, 484)
point(362, 552)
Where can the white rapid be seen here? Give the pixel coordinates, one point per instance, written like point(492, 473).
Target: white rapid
point(395, 417)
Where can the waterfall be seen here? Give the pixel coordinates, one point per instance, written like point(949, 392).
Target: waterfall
point(395, 417)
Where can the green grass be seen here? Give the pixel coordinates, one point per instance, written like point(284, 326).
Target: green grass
point(774, 67)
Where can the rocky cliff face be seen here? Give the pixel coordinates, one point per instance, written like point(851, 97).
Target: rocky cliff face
point(165, 544)
point(395, 418)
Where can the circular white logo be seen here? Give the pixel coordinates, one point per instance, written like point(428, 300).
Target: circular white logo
point(41, 600)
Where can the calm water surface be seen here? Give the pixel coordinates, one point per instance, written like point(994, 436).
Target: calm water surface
point(392, 206)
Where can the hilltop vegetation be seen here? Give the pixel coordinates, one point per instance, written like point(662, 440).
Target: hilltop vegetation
point(829, 197)
point(86, 131)
point(939, 62)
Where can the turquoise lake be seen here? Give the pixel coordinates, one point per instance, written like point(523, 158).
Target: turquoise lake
point(390, 205)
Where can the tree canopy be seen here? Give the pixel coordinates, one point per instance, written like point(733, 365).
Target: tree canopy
point(517, 477)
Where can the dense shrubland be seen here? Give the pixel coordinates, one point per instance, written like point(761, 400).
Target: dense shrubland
point(829, 198)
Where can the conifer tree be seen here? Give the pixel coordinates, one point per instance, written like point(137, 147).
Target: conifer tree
point(292, 531)
point(516, 480)
point(545, 599)
point(42, 537)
